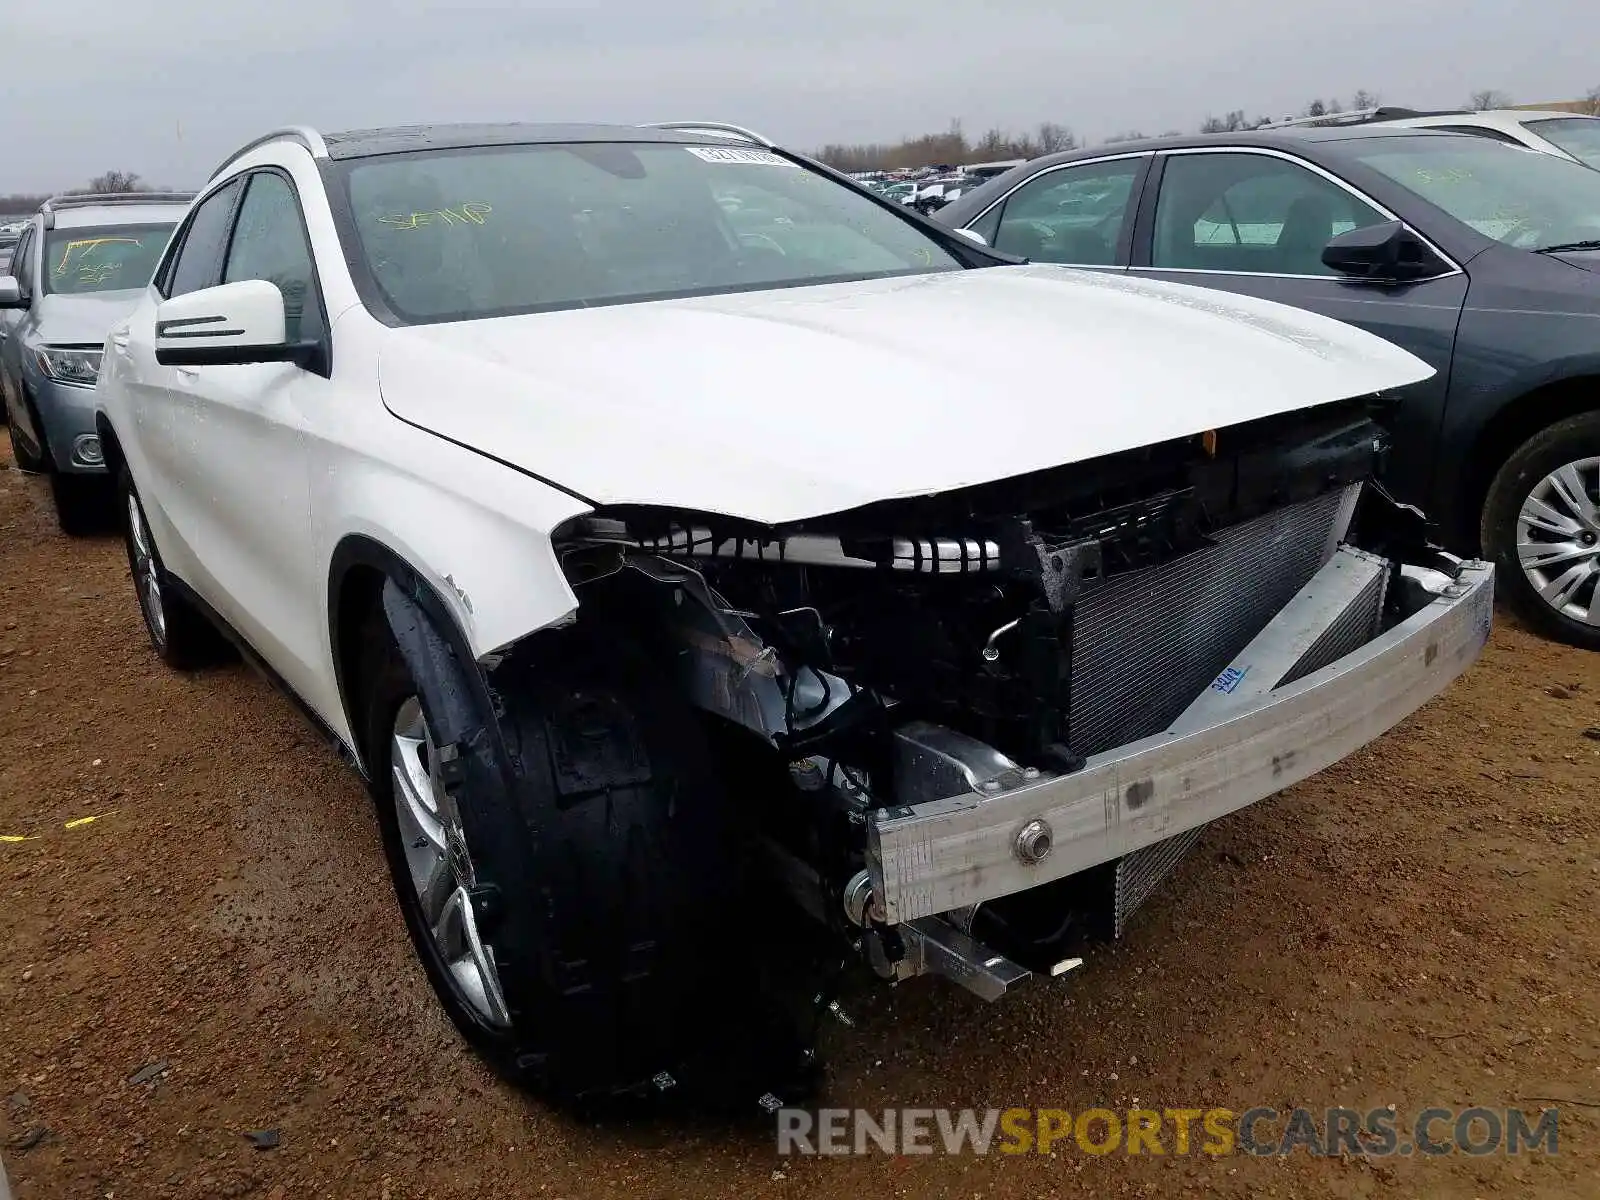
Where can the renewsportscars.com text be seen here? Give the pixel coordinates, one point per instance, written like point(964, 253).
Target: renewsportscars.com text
point(1376, 1133)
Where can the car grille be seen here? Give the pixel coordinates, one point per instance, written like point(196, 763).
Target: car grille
point(1146, 643)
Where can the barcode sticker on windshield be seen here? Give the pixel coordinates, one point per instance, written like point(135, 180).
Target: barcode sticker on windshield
point(729, 154)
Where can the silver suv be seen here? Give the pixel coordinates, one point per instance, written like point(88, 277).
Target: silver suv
point(80, 267)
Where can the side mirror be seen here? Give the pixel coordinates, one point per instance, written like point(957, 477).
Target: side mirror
point(229, 325)
point(972, 235)
point(11, 293)
point(1388, 253)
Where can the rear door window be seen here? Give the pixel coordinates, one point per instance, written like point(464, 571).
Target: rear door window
point(1072, 215)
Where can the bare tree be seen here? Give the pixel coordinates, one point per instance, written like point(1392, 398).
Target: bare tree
point(117, 181)
point(1591, 102)
point(1127, 135)
point(1231, 123)
point(1053, 139)
point(1315, 109)
point(1489, 98)
point(1364, 99)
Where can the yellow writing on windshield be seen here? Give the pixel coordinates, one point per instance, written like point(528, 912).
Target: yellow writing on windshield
point(1445, 175)
point(471, 213)
point(84, 250)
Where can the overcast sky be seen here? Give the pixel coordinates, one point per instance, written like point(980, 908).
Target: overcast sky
point(167, 89)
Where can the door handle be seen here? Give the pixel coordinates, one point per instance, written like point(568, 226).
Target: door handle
point(120, 341)
point(188, 372)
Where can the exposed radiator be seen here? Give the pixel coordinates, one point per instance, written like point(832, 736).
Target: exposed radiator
point(1147, 643)
point(1139, 874)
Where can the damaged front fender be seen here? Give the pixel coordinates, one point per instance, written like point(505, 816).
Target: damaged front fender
point(493, 567)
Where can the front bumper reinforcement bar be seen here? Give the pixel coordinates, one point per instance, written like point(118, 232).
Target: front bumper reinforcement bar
point(940, 855)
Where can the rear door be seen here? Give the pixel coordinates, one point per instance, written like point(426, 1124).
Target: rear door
point(245, 507)
point(163, 442)
point(1256, 221)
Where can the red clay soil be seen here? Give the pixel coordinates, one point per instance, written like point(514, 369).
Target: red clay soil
point(219, 952)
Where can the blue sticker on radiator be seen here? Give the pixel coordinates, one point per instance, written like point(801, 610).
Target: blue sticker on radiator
point(1229, 680)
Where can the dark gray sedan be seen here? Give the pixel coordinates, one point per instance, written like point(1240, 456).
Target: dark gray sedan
point(1481, 258)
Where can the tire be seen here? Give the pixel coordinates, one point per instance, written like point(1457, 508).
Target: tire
point(1554, 479)
point(84, 503)
point(611, 877)
point(29, 463)
point(181, 635)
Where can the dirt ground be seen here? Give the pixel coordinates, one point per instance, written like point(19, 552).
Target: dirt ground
point(218, 952)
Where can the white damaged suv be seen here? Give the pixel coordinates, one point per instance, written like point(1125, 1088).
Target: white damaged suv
point(680, 538)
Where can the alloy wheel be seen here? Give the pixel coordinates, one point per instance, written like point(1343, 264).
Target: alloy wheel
point(146, 572)
point(440, 866)
point(1558, 539)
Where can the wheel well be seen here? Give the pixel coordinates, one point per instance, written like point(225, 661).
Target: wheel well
point(358, 600)
point(1514, 424)
point(109, 446)
point(39, 434)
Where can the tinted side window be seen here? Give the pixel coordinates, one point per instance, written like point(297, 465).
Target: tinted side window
point(1070, 215)
point(1250, 213)
point(269, 242)
point(200, 257)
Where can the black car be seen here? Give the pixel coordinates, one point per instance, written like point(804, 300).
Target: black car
point(1479, 257)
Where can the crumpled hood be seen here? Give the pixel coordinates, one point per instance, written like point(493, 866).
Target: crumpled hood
point(781, 405)
point(84, 319)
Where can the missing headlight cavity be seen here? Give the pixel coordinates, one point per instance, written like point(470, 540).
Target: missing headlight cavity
point(1048, 616)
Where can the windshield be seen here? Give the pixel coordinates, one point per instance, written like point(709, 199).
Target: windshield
point(102, 258)
point(1524, 198)
point(450, 235)
point(1578, 136)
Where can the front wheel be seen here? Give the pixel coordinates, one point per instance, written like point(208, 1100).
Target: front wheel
point(27, 463)
point(1541, 527)
point(582, 929)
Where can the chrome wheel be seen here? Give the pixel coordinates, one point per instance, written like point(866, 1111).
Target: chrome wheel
point(146, 572)
point(440, 866)
point(1558, 539)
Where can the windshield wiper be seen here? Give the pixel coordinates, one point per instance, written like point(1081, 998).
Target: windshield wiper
point(1559, 247)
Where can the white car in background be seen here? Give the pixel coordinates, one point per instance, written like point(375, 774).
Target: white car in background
point(1564, 134)
point(670, 568)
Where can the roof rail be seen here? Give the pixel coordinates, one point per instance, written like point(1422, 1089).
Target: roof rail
point(55, 204)
point(716, 128)
point(86, 199)
point(1361, 116)
point(303, 135)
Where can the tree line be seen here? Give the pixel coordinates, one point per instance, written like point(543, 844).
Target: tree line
point(109, 181)
point(954, 147)
point(951, 147)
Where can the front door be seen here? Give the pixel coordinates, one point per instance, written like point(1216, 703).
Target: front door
point(1256, 222)
point(12, 321)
